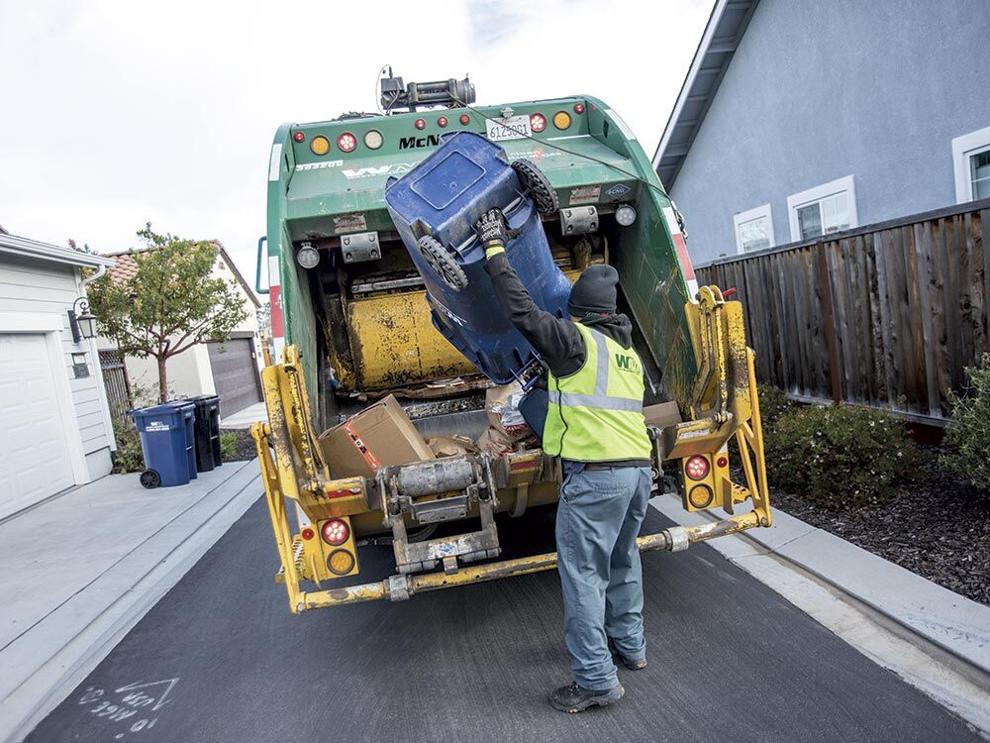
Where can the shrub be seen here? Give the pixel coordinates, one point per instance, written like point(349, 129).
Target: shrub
point(128, 457)
point(228, 445)
point(839, 456)
point(967, 437)
point(773, 404)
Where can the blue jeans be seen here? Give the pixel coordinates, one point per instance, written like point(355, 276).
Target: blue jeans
point(598, 520)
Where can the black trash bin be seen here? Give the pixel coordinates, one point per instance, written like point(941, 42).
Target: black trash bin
point(207, 432)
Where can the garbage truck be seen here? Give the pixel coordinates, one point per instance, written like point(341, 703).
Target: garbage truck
point(354, 319)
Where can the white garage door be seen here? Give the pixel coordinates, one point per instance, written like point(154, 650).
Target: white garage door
point(34, 458)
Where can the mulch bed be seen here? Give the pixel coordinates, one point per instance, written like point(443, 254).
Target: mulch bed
point(245, 445)
point(938, 527)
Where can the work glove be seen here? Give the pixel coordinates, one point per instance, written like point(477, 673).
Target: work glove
point(493, 232)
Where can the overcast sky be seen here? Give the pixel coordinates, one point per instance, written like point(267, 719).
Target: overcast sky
point(118, 112)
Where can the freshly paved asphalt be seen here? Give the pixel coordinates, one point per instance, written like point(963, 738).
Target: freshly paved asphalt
point(729, 660)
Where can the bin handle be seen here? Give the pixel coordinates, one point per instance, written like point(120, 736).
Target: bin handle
point(257, 273)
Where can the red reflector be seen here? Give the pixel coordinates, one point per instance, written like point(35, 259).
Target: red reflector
point(579, 108)
point(347, 142)
point(442, 121)
point(537, 122)
point(335, 532)
point(722, 461)
point(420, 123)
point(308, 533)
point(465, 119)
point(298, 136)
point(696, 467)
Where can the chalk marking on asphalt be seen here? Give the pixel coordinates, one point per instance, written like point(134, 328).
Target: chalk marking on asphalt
point(124, 702)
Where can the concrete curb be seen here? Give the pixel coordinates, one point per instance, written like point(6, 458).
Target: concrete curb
point(43, 668)
point(923, 611)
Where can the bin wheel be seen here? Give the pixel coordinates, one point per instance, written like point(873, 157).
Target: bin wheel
point(151, 479)
point(442, 262)
point(537, 186)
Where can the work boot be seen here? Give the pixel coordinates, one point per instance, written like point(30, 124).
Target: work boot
point(574, 698)
point(630, 663)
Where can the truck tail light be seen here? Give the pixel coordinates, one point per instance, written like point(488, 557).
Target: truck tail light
point(335, 532)
point(465, 119)
point(442, 121)
point(346, 142)
point(420, 123)
point(696, 467)
point(537, 122)
point(340, 562)
point(299, 136)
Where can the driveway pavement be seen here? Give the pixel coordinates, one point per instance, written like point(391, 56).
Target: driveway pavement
point(221, 659)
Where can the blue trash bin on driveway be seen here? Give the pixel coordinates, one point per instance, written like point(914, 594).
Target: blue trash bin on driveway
point(166, 443)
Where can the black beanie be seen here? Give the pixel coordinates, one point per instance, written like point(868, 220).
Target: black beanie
point(594, 291)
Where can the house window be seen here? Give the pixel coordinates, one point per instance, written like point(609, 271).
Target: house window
point(754, 229)
point(971, 162)
point(828, 208)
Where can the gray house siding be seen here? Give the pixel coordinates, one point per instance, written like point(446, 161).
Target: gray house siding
point(818, 91)
point(32, 288)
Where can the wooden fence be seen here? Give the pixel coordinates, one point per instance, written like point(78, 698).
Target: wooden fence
point(117, 385)
point(886, 315)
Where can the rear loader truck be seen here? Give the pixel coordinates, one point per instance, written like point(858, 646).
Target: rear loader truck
point(351, 322)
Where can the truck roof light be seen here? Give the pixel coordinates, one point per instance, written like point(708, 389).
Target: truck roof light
point(465, 119)
point(320, 145)
point(346, 142)
point(696, 467)
point(442, 121)
point(537, 122)
point(562, 119)
point(335, 532)
point(373, 139)
point(299, 136)
point(420, 123)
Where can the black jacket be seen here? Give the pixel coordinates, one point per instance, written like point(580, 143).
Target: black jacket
point(557, 340)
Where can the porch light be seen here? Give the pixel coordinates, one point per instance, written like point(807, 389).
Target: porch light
point(81, 322)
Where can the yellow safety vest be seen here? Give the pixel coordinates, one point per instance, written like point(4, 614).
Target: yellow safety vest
point(596, 413)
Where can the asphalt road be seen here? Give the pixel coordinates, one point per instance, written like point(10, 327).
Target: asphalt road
point(221, 659)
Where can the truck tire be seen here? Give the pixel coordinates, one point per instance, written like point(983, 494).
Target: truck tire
point(537, 186)
point(442, 262)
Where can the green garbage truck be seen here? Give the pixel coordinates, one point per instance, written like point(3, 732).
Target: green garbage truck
point(351, 324)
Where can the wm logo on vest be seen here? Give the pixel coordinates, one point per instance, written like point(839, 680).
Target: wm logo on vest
point(626, 363)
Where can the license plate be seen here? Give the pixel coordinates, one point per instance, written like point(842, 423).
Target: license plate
point(514, 127)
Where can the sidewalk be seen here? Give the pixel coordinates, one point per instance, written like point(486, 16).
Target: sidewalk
point(81, 569)
point(244, 418)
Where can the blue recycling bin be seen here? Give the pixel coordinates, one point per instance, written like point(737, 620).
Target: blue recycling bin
point(167, 443)
point(435, 207)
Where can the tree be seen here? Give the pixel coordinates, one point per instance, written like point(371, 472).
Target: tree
point(171, 304)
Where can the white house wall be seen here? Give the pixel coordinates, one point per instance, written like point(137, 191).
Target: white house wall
point(30, 287)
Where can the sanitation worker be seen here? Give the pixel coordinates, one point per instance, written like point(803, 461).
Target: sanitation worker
point(595, 425)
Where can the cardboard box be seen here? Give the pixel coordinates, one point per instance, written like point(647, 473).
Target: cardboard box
point(379, 436)
point(662, 414)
